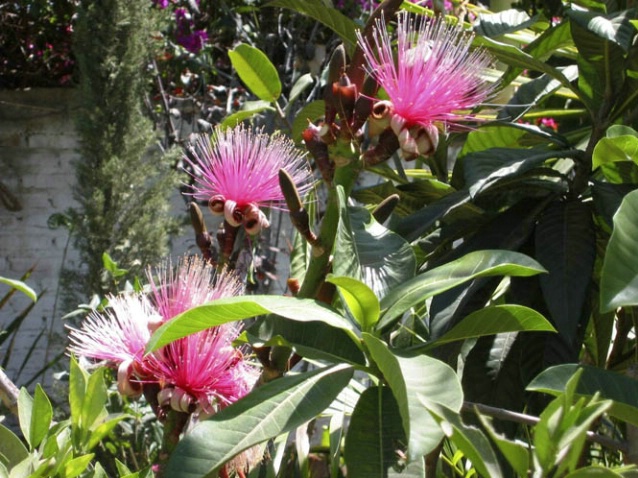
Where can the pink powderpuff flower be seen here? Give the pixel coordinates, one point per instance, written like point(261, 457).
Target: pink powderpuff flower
point(117, 336)
point(203, 370)
point(237, 172)
point(431, 80)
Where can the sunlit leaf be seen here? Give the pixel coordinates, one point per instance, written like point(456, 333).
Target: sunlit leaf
point(411, 379)
point(244, 307)
point(619, 275)
point(268, 411)
point(256, 71)
point(623, 391)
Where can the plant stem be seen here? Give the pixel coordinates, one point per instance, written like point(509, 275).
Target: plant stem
point(502, 414)
point(9, 393)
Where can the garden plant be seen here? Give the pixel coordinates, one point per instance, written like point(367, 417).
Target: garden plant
point(463, 281)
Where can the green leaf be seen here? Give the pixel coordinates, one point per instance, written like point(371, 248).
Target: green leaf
point(231, 309)
point(623, 391)
point(595, 471)
point(550, 41)
point(248, 110)
point(495, 320)
point(566, 247)
point(374, 434)
point(12, 451)
point(413, 379)
point(486, 168)
point(367, 251)
point(103, 429)
point(256, 71)
point(492, 136)
point(470, 440)
point(77, 466)
point(111, 266)
point(94, 410)
point(517, 455)
point(42, 413)
point(619, 275)
point(25, 414)
point(616, 148)
point(506, 21)
point(312, 340)
point(330, 17)
point(21, 286)
point(303, 82)
point(533, 92)
point(442, 278)
point(516, 57)
point(360, 299)
point(336, 434)
point(310, 112)
point(268, 411)
point(77, 395)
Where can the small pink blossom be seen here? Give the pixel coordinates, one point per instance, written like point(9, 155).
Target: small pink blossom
point(117, 335)
point(433, 78)
point(237, 172)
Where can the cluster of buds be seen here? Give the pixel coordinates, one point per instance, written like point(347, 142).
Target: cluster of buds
point(432, 80)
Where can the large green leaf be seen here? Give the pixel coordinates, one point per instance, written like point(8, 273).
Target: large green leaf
point(414, 225)
point(413, 379)
point(374, 434)
point(312, 340)
point(367, 251)
point(360, 300)
point(619, 275)
point(470, 440)
point(623, 391)
point(486, 168)
point(256, 71)
point(506, 21)
point(495, 320)
point(530, 94)
point(330, 17)
point(237, 308)
point(550, 41)
point(268, 411)
point(473, 265)
point(602, 42)
point(516, 57)
point(566, 247)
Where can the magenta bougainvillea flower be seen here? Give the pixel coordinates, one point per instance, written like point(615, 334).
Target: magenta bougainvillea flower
point(237, 172)
point(201, 372)
point(431, 81)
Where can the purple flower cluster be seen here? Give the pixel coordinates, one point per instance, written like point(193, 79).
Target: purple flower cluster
point(185, 33)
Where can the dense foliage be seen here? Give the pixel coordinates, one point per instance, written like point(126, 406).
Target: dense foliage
point(462, 278)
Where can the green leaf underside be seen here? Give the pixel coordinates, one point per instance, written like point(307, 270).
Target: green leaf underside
point(495, 320)
point(268, 411)
point(237, 308)
point(473, 265)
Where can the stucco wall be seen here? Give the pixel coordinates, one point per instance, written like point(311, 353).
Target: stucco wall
point(37, 148)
